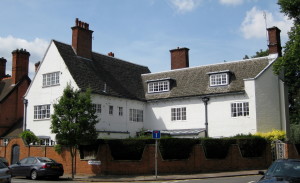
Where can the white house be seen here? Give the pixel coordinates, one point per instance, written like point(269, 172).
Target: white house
point(221, 99)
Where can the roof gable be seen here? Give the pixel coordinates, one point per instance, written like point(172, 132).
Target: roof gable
point(195, 81)
point(6, 86)
point(104, 74)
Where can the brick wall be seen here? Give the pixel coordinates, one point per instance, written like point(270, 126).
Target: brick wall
point(195, 164)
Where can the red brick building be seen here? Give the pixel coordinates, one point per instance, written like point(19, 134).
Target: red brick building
point(12, 90)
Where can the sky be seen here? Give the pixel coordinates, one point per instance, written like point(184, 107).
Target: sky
point(143, 31)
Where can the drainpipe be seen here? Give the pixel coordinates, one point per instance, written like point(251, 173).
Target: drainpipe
point(205, 100)
point(25, 101)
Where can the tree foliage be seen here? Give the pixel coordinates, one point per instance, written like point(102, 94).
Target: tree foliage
point(290, 62)
point(29, 137)
point(259, 53)
point(74, 120)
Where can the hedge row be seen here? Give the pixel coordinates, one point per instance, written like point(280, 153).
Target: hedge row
point(172, 148)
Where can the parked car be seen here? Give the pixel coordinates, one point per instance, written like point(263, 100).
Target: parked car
point(283, 170)
point(35, 167)
point(4, 160)
point(5, 173)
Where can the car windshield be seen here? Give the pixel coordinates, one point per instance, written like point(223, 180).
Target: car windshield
point(285, 169)
point(46, 160)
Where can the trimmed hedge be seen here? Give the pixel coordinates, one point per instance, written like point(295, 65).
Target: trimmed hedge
point(127, 149)
point(216, 148)
point(172, 148)
point(252, 146)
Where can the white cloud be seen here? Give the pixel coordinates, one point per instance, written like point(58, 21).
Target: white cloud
point(36, 48)
point(231, 2)
point(254, 25)
point(183, 6)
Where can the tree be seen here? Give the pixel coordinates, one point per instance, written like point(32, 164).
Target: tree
point(290, 62)
point(74, 120)
point(259, 53)
point(29, 137)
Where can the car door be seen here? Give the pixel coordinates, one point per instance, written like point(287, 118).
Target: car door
point(28, 166)
point(18, 168)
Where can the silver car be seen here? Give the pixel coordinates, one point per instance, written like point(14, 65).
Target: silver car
point(5, 173)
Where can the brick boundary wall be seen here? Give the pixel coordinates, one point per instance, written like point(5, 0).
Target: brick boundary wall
point(196, 163)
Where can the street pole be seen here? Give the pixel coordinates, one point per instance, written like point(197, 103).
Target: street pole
point(156, 144)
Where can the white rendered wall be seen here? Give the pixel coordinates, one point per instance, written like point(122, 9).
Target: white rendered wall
point(269, 113)
point(39, 95)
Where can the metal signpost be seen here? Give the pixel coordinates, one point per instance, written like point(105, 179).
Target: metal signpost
point(156, 136)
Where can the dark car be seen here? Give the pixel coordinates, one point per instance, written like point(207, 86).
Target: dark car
point(282, 171)
point(4, 160)
point(5, 173)
point(35, 167)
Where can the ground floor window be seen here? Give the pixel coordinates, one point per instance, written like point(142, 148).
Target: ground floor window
point(136, 115)
point(178, 113)
point(239, 109)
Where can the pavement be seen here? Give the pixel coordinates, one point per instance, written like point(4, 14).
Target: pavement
point(145, 178)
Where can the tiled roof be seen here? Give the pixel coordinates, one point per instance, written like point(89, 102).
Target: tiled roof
point(104, 74)
point(194, 81)
point(5, 87)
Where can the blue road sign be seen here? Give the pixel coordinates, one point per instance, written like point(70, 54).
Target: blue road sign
point(156, 134)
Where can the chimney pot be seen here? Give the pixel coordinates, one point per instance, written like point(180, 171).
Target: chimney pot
point(179, 58)
point(111, 54)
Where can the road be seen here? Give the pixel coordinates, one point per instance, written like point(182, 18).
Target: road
point(239, 179)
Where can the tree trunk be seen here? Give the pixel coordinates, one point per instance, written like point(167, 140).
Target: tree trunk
point(72, 161)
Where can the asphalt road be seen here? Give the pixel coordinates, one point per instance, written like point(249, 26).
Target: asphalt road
point(239, 179)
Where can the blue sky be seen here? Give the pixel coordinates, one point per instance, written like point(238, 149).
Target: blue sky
point(143, 31)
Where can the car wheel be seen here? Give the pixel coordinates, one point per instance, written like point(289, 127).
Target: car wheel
point(33, 175)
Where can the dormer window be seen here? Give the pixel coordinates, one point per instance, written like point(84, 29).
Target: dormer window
point(159, 86)
point(219, 78)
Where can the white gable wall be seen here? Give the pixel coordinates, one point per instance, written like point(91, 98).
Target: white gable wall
point(268, 106)
point(39, 95)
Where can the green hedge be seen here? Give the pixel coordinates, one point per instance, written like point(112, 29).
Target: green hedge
point(216, 148)
point(252, 146)
point(127, 149)
point(172, 148)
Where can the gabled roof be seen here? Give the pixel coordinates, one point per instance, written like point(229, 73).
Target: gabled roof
point(194, 81)
point(6, 86)
point(104, 74)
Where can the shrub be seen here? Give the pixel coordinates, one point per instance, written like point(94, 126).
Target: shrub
point(252, 146)
point(295, 133)
point(172, 148)
point(29, 137)
point(216, 148)
point(127, 149)
point(273, 135)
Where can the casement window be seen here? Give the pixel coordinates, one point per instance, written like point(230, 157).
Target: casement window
point(178, 114)
point(136, 115)
point(120, 111)
point(111, 110)
point(51, 79)
point(5, 141)
point(159, 86)
point(239, 109)
point(219, 79)
point(42, 112)
point(97, 108)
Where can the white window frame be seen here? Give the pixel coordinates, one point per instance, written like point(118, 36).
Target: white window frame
point(41, 112)
point(178, 114)
point(97, 108)
point(239, 109)
point(120, 111)
point(159, 86)
point(136, 115)
point(51, 79)
point(219, 79)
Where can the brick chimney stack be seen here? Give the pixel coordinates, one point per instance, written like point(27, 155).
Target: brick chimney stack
point(274, 41)
point(82, 39)
point(37, 65)
point(2, 67)
point(20, 59)
point(111, 54)
point(179, 58)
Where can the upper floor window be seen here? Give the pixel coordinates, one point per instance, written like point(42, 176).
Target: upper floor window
point(239, 109)
point(219, 79)
point(51, 79)
point(42, 111)
point(178, 113)
point(159, 86)
point(136, 115)
point(97, 108)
